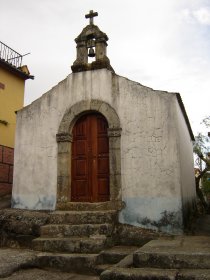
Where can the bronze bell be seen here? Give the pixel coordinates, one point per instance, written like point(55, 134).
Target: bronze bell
point(91, 52)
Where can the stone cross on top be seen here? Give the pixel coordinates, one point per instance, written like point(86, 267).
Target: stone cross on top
point(91, 15)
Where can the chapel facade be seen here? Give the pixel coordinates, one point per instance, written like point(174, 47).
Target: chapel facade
point(99, 138)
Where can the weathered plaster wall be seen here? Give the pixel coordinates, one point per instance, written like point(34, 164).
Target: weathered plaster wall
point(36, 146)
point(150, 167)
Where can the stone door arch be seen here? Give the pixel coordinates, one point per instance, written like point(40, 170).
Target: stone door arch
point(64, 140)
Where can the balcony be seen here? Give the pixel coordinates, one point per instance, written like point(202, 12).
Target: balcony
point(10, 56)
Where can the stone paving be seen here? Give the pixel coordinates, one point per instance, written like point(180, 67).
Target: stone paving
point(13, 259)
point(17, 264)
point(48, 275)
point(39, 274)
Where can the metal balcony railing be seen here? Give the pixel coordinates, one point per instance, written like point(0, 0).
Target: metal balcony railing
point(10, 56)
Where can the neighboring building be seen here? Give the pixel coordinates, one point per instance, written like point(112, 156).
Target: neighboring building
point(101, 138)
point(12, 82)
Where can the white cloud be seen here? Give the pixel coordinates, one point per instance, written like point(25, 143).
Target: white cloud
point(187, 15)
point(202, 15)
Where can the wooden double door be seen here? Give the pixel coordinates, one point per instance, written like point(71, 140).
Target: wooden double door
point(90, 159)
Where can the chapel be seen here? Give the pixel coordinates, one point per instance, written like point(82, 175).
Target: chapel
point(97, 138)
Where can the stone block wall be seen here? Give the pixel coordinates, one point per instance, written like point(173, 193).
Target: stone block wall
point(6, 170)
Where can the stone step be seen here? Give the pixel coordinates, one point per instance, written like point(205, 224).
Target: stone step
point(62, 230)
point(82, 263)
point(116, 254)
point(88, 206)
point(193, 274)
point(93, 244)
point(169, 260)
point(178, 253)
point(99, 268)
point(116, 273)
point(154, 274)
point(83, 217)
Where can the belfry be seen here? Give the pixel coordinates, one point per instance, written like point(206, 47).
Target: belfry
point(91, 42)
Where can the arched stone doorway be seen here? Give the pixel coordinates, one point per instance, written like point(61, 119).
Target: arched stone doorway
point(65, 139)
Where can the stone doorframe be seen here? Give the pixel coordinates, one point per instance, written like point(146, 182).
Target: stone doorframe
point(64, 140)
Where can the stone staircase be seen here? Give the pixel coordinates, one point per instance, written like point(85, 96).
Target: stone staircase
point(72, 240)
point(81, 240)
point(178, 258)
point(77, 231)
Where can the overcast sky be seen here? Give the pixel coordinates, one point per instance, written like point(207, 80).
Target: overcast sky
point(163, 44)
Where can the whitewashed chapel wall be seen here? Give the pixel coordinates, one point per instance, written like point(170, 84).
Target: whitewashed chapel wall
point(150, 148)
